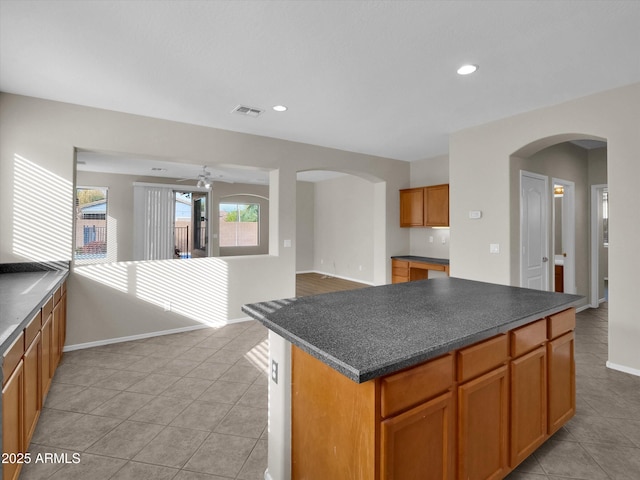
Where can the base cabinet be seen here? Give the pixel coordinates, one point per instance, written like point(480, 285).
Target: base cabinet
point(28, 367)
point(32, 385)
point(12, 418)
point(562, 386)
point(529, 404)
point(472, 414)
point(482, 426)
point(419, 444)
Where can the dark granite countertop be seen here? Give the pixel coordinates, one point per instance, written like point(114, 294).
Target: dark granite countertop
point(25, 288)
point(374, 331)
point(415, 258)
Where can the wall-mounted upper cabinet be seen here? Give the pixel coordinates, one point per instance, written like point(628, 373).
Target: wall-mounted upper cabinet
point(425, 206)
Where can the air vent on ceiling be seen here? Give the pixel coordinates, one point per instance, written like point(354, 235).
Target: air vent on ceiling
point(247, 111)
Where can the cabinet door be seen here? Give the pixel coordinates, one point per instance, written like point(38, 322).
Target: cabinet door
point(55, 336)
point(436, 206)
point(32, 386)
point(12, 418)
point(46, 356)
point(562, 381)
point(482, 426)
point(419, 444)
point(528, 404)
point(412, 207)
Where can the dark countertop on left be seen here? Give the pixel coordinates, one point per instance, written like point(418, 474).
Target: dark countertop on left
point(24, 289)
point(375, 331)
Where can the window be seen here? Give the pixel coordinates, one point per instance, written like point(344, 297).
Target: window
point(239, 224)
point(91, 224)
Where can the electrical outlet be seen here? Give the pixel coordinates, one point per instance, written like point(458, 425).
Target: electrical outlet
point(274, 371)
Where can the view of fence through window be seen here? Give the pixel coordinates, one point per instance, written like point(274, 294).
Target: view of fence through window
point(239, 224)
point(91, 224)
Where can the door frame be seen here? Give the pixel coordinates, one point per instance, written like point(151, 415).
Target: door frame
point(545, 244)
point(568, 233)
point(594, 290)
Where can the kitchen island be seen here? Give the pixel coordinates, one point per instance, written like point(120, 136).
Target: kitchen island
point(442, 378)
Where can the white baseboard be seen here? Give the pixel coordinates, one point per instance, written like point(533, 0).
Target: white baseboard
point(109, 341)
point(623, 368)
point(337, 276)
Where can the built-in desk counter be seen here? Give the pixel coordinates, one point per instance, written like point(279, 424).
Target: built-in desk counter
point(408, 268)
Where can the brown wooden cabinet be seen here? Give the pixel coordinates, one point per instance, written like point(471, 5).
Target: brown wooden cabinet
point(32, 384)
point(419, 443)
point(13, 406)
point(475, 413)
point(483, 409)
point(47, 371)
point(28, 367)
point(528, 387)
point(425, 206)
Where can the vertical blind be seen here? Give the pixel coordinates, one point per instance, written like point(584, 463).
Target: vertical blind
point(153, 217)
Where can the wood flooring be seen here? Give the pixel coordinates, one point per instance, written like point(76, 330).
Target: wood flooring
point(315, 283)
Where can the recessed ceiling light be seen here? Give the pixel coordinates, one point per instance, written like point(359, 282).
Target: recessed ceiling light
point(467, 69)
point(280, 108)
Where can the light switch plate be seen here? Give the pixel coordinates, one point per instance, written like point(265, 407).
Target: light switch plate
point(475, 214)
point(494, 248)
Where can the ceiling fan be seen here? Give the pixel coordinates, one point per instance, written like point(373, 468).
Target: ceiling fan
point(204, 178)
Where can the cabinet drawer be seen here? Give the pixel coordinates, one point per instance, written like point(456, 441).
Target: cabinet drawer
point(12, 356)
point(57, 295)
point(525, 339)
point(416, 385)
point(561, 323)
point(396, 279)
point(482, 357)
point(32, 329)
point(47, 309)
point(399, 267)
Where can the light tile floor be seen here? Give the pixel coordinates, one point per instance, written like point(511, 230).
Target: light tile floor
point(187, 406)
point(192, 406)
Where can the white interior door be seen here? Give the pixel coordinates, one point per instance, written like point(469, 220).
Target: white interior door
point(534, 227)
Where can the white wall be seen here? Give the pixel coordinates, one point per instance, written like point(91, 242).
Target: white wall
point(479, 177)
point(343, 228)
point(430, 242)
point(39, 138)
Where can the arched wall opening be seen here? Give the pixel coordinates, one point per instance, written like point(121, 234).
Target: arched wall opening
point(578, 161)
point(340, 225)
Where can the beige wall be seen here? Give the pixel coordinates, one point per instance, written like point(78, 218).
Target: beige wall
point(343, 228)
point(479, 176)
point(305, 219)
point(39, 138)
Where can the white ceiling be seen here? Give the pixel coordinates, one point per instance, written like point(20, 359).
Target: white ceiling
point(375, 77)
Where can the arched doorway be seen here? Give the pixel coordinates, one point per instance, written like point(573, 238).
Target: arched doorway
point(340, 225)
point(568, 166)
